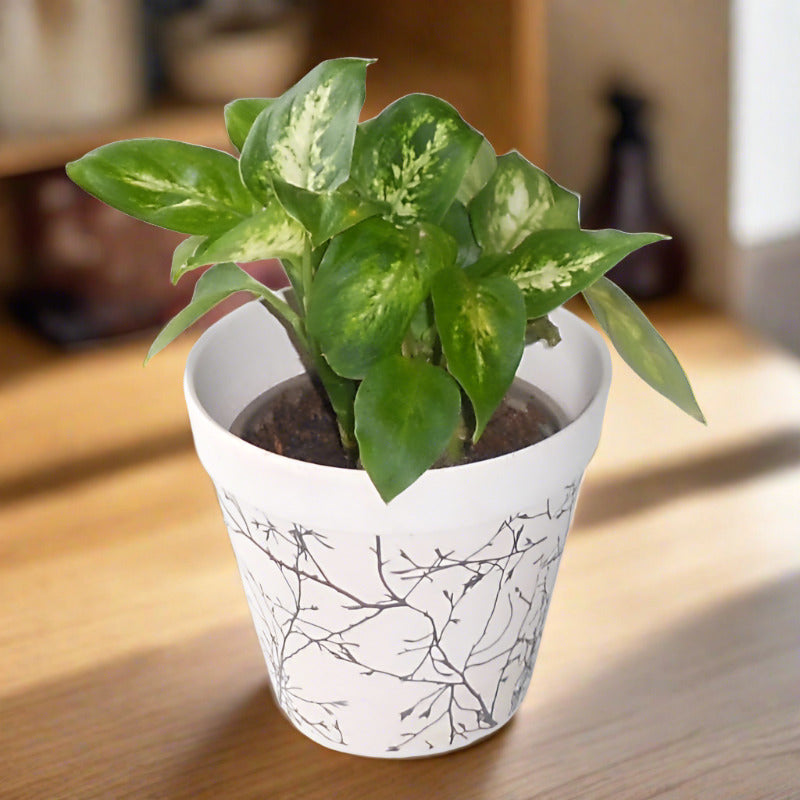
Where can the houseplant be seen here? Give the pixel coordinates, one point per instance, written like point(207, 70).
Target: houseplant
point(403, 621)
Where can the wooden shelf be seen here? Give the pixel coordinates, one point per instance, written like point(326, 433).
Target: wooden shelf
point(487, 59)
point(204, 125)
point(21, 154)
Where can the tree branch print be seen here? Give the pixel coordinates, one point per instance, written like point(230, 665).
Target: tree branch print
point(447, 636)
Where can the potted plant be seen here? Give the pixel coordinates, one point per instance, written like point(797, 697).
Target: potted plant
point(399, 606)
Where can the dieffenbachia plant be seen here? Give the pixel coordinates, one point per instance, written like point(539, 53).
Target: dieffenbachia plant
point(420, 261)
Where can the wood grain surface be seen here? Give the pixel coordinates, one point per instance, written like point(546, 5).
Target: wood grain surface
point(670, 666)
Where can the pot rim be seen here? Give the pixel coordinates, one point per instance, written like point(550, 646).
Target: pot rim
point(222, 452)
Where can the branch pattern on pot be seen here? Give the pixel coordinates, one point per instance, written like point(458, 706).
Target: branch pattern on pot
point(399, 643)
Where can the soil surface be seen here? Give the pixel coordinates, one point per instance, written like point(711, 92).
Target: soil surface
point(295, 420)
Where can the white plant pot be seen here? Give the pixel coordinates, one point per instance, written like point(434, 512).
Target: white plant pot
point(405, 629)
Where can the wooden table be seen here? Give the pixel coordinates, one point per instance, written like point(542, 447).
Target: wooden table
point(670, 666)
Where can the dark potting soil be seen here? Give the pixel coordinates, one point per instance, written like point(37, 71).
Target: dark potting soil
point(294, 419)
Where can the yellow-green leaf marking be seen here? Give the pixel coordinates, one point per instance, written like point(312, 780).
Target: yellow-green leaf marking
point(518, 200)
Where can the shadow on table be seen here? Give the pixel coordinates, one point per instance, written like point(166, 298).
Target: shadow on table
point(196, 720)
point(605, 499)
point(72, 472)
point(707, 708)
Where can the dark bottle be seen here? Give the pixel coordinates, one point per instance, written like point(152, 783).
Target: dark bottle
point(627, 199)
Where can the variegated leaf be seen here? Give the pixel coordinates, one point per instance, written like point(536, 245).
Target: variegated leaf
point(414, 156)
point(306, 136)
point(640, 345)
point(178, 186)
point(368, 286)
point(324, 214)
point(406, 412)
point(551, 266)
point(240, 116)
point(271, 233)
point(478, 174)
point(482, 327)
point(518, 200)
point(215, 285)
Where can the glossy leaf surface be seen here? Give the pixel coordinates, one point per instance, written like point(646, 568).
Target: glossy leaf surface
point(478, 174)
point(551, 266)
point(367, 288)
point(413, 156)
point(482, 328)
point(406, 412)
point(518, 200)
point(306, 136)
point(179, 186)
point(641, 345)
point(271, 233)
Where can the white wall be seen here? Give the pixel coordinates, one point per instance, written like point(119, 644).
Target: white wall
point(765, 166)
point(676, 53)
point(765, 121)
point(724, 80)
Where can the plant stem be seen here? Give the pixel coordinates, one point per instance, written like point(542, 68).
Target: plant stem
point(306, 272)
point(341, 394)
point(341, 391)
point(282, 308)
point(456, 446)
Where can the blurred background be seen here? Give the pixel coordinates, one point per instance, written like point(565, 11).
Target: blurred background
point(126, 662)
point(674, 115)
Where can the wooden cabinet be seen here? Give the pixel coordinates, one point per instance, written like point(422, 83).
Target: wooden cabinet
point(487, 59)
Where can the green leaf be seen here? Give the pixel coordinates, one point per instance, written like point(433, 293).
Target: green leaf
point(324, 214)
point(240, 116)
point(456, 223)
point(482, 327)
point(518, 200)
point(306, 136)
point(406, 412)
point(182, 255)
point(551, 266)
point(178, 186)
point(271, 233)
point(215, 285)
point(414, 155)
point(478, 174)
point(370, 282)
point(640, 345)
